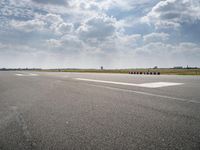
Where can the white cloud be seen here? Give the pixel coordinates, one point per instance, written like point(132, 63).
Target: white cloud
point(85, 5)
point(52, 18)
point(71, 42)
point(55, 23)
point(16, 49)
point(156, 37)
point(42, 23)
point(107, 4)
point(122, 4)
point(128, 42)
point(172, 13)
point(28, 26)
point(18, 10)
point(97, 28)
point(2, 46)
point(158, 50)
point(54, 2)
point(53, 43)
point(65, 43)
point(64, 28)
point(168, 55)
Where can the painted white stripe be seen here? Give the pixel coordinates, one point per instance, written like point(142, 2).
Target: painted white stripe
point(33, 74)
point(30, 74)
point(19, 74)
point(146, 85)
point(102, 81)
point(147, 94)
point(159, 84)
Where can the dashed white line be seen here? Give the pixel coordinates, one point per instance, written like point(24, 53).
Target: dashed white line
point(146, 85)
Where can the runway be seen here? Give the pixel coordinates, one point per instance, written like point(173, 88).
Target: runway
point(57, 110)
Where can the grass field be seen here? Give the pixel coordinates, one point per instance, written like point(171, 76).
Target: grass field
point(163, 71)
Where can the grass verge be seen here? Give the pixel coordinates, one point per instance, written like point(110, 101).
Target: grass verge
point(163, 71)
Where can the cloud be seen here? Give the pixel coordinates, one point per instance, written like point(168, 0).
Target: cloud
point(28, 26)
point(168, 55)
point(71, 42)
point(169, 50)
point(10, 9)
point(53, 43)
point(85, 5)
point(2, 45)
point(97, 28)
point(156, 37)
point(173, 13)
point(56, 24)
point(42, 23)
point(123, 5)
point(128, 42)
point(55, 2)
point(65, 44)
point(65, 28)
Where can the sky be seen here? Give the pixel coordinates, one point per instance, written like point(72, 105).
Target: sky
point(94, 33)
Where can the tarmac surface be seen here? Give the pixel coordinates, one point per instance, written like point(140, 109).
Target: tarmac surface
point(55, 110)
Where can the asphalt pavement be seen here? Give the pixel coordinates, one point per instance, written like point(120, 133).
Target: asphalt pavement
point(60, 111)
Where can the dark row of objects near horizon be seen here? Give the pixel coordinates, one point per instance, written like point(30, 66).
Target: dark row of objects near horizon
point(146, 73)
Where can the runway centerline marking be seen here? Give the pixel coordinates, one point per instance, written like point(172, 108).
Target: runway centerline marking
point(146, 93)
point(29, 74)
point(18, 74)
point(33, 74)
point(146, 85)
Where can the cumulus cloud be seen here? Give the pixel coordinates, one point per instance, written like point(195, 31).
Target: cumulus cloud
point(55, 23)
point(156, 37)
point(85, 5)
point(169, 50)
point(53, 43)
point(173, 13)
point(123, 5)
point(97, 28)
point(55, 2)
point(128, 42)
point(64, 28)
point(67, 43)
point(15, 10)
point(28, 26)
point(71, 42)
point(168, 55)
point(42, 23)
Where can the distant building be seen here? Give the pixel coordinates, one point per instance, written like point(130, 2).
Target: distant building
point(101, 67)
point(156, 67)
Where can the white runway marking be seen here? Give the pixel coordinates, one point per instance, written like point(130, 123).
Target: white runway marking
point(146, 85)
point(159, 84)
point(147, 94)
point(33, 74)
point(29, 74)
point(19, 74)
